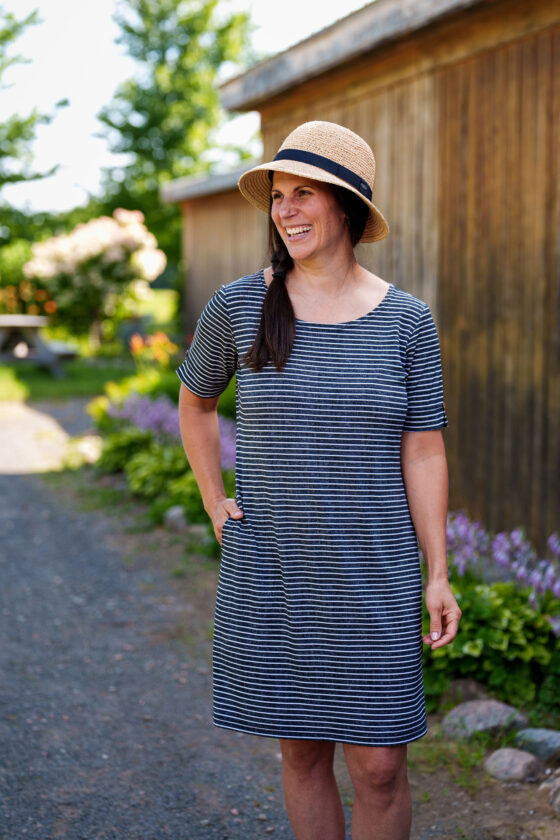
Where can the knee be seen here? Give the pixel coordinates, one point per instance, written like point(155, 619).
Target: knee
point(382, 769)
point(305, 758)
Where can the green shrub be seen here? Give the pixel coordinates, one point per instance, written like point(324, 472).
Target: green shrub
point(502, 642)
point(121, 446)
point(184, 491)
point(151, 382)
point(150, 471)
point(226, 403)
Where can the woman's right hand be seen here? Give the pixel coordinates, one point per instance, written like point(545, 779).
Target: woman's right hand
point(221, 510)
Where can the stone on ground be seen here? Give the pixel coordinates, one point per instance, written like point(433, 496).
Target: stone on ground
point(175, 518)
point(544, 743)
point(462, 690)
point(554, 796)
point(510, 765)
point(488, 716)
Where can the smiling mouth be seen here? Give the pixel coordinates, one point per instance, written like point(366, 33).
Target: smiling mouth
point(294, 232)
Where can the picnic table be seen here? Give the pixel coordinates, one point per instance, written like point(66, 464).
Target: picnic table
point(20, 341)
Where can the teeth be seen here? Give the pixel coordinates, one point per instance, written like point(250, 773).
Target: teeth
point(295, 230)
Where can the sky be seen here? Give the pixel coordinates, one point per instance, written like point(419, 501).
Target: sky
point(73, 56)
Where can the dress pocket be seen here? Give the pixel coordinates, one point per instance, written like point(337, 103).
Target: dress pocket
point(227, 528)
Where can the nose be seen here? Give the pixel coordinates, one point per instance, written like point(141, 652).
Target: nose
point(287, 208)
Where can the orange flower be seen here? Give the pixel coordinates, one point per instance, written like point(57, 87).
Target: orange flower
point(33, 309)
point(136, 343)
point(50, 307)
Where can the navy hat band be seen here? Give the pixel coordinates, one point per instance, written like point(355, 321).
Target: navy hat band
point(328, 165)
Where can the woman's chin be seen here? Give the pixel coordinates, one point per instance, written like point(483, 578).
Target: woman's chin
point(300, 249)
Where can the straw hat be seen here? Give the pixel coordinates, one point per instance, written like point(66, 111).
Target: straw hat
point(323, 151)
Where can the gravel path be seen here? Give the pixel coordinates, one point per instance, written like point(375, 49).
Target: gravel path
point(105, 691)
point(104, 715)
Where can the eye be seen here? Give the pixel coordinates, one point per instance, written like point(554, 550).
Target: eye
point(276, 195)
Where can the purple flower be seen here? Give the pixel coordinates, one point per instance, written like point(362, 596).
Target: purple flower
point(535, 578)
point(227, 437)
point(161, 417)
point(553, 544)
point(549, 575)
point(533, 600)
point(555, 623)
point(522, 575)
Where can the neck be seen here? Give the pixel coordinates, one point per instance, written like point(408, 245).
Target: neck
point(329, 274)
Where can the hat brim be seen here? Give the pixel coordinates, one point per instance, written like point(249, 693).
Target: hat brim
point(254, 185)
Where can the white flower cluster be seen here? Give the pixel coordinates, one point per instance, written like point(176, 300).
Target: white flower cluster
point(113, 240)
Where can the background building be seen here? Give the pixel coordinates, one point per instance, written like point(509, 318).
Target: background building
point(460, 100)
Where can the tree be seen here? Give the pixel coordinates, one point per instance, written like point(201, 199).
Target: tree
point(163, 119)
point(17, 132)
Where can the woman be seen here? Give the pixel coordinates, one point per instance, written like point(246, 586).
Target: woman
point(340, 472)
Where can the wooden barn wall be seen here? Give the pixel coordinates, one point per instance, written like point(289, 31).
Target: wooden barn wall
point(466, 143)
point(401, 126)
point(499, 281)
point(223, 238)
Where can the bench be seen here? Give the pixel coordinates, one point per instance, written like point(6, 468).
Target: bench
point(20, 341)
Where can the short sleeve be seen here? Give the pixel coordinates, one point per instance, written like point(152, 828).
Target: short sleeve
point(211, 359)
point(424, 383)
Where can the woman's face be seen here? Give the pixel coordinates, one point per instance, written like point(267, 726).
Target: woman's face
point(307, 216)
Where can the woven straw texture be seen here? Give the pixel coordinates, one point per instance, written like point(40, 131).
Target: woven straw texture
point(331, 141)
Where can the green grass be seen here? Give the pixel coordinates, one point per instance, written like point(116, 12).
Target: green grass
point(86, 375)
point(162, 306)
point(83, 378)
point(461, 759)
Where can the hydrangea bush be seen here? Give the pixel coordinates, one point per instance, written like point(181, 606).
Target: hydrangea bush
point(96, 266)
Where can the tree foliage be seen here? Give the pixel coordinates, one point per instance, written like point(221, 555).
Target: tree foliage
point(16, 132)
point(162, 120)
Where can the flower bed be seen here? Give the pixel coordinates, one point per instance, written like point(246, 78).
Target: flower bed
point(509, 638)
point(142, 440)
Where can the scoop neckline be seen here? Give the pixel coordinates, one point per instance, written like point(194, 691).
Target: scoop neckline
point(339, 323)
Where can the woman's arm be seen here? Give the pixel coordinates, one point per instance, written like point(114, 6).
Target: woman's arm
point(424, 468)
point(200, 434)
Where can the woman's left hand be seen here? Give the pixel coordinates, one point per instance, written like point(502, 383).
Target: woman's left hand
point(444, 614)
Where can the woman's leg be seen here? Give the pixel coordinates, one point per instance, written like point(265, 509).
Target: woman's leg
point(382, 802)
point(310, 790)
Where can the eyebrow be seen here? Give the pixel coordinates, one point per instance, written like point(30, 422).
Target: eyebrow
point(299, 187)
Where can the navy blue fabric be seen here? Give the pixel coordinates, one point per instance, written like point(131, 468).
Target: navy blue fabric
point(317, 629)
point(328, 165)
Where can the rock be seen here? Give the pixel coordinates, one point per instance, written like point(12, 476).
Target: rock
point(548, 782)
point(462, 690)
point(507, 831)
point(544, 743)
point(509, 765)
point(199, 534)
point(175, 518)
point(554, 797)
point(481, 716)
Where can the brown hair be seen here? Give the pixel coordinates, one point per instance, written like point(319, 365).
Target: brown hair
point(275, 336)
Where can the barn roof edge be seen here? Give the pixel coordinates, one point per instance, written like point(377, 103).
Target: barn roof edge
point(350, 37)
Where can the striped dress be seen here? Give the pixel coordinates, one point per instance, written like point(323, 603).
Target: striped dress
point(318, 614)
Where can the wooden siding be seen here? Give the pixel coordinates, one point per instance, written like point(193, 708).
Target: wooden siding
point(467, 176)
point(464, 120)
point(400, 123)
point(223, 238)
point(499, 272)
